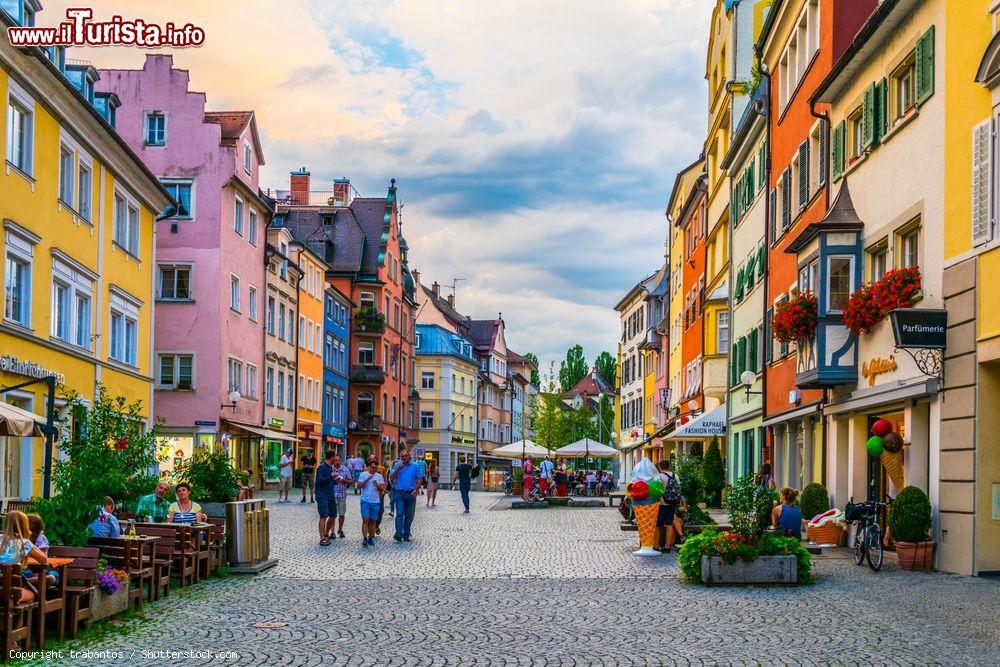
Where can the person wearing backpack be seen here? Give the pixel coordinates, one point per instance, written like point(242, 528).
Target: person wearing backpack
point(668, 505)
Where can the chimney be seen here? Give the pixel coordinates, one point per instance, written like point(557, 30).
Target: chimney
point(436, 288)
point(341, 192)
point(416, 276)
point(300, 186)
point(451, 300)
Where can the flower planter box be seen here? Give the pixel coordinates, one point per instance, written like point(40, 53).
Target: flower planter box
point(105, 605)
point(828, 535)
point(916, 555)
point(559, 502)
point(763, 570)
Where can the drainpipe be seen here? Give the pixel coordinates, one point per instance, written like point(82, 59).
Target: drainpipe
point(765, 79)
point(825, 129)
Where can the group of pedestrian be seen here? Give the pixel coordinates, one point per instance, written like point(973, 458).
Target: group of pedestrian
point(402, 482)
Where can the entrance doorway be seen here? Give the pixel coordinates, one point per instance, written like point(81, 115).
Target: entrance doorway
point(10, 456)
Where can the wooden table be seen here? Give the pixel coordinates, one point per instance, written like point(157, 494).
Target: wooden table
point(42, 571)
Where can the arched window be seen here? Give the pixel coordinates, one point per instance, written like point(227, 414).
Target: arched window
point(385, 405)
point(393, 409)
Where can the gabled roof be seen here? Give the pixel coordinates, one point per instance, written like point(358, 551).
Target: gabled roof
point(483, 333)
point(456, 318)
point(591, 384)
point(233, 123)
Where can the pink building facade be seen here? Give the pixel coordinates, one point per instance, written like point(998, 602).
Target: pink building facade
point(210, 284)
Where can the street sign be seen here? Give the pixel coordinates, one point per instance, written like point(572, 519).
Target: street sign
point(418, 453)
point(922, 328)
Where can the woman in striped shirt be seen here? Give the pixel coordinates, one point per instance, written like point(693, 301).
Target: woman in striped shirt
point(184, 510)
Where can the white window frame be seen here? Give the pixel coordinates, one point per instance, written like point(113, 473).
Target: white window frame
point(175, 182)
point(426, 419)
point(302, 332)
point(251, 384)
point(154, 113)
point(20, 248)
point(19, 99)
point(234, 374)
point(175, 380)
point(238, 210)
point(78, 282)
point(247, 157)
point(85, 190)
point(829, 277)
point(175, 268)
point(234, 296)
point(252, 226)
point(427, 380)
point(252, 302)
point(130, 242)
point(67, 174)
point(126, 308)
point(269, 385)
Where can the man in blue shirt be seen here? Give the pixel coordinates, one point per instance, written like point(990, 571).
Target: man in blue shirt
point(406, 479)
point(325, 501)
point(545, 478)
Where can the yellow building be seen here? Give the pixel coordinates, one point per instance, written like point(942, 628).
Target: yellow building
point(78, 209)
point(683, 184)
point(966, 527)
point(309, 361)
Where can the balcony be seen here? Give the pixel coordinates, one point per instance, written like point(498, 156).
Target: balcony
point(368, 321)
point(828, 358)
point(370, 424)
point(367, 374)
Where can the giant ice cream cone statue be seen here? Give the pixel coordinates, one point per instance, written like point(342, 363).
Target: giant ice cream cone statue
point(645, 490)
point(893, 463)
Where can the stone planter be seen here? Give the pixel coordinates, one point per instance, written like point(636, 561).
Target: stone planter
point(763, 570)
point(916, 555)
point(105, 605)
point(557, 502)
point(214, 509)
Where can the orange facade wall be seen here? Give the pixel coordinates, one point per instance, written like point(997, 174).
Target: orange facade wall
point(695, 225)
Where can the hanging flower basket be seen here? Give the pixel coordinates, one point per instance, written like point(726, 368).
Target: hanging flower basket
point(872, 302)
point(795, 319)
point(862, 311)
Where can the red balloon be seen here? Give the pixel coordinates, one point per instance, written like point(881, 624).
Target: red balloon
point(882, 427)
point(640, 489)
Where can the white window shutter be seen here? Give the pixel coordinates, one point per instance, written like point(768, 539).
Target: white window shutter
point(982, 181)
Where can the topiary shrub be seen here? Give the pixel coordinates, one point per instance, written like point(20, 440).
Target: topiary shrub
point(714, 473)
point(689, 473)
point(211, 474)
point(814, 500)
point(910, 516)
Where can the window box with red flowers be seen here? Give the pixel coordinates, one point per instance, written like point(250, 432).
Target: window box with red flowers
point(795, 320)
point(872, 302)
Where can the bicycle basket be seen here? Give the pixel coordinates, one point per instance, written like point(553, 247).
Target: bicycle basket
point(855, 511)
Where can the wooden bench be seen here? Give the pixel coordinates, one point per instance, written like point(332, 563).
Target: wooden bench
point(80, 579)
point(15, 616)
point(184, 554)
point(612, 496)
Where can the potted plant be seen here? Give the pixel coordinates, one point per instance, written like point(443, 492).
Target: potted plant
point(909, 524)
point(795, 320)
point(518, 481)
point(213, 479)
point(111, 593)
point(822, 527)
point(862, 311)
point(898, 288)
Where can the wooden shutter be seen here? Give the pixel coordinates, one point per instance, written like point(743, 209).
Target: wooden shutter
point(773, 215)
point(762, 167)
point(761, 261)
point(924, 66)
point(734, 356)
point(750, 274)
point(881, 110)
point(803, 174)
point(838, 150)
point(742, 354)
point(752, 351)
point(824, 156)
point(740, 278)
point(786, 198)
point(982, 180)
point(768, 343)
point(868, 118)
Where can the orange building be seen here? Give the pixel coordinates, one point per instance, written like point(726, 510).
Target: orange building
point(693, 223)
point(309, 358)
point(800, 41)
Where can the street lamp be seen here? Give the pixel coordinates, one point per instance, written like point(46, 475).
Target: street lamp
point(748, 378)
point(234, 396)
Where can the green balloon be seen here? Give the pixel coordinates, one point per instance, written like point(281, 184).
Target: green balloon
point(655, 489)
point(875, 445)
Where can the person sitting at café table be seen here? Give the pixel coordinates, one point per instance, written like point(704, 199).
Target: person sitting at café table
point(155, 505)
point(36, 526)
point(786, 517)
point(184, 510)
point(106, 524)
point(16, 547)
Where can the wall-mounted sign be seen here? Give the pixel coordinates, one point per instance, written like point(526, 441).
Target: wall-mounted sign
point(920, 328)
point(878, 366)
point(204, 422)
point(277, 421)
point(305, 428)
point(12, 364)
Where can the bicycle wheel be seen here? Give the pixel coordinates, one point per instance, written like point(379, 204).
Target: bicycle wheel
point(859, 546)
point(874, 546)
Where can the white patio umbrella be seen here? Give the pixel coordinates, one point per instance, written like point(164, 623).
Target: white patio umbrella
point(586, 448)
point(15, 421)
point(520, 449)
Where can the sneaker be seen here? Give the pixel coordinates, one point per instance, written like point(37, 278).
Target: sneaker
point(465, 512)
point(406, 539)
point(397, 538)
point(303, 500)
point(341, 533)
point(364, 543)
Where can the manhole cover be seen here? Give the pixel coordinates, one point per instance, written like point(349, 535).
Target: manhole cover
point(268, 625)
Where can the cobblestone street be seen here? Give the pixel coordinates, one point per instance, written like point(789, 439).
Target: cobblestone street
point(549, 587)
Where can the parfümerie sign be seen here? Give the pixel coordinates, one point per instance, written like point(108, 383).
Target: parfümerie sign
point(920, 328)
point(11, 364)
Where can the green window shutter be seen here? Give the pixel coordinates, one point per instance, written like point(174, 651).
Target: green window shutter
point(925, 66)
point(751, 181)
point(786, 199)
point(804, 174)
point(734, 375)
point(882, 107)
point(742, 354)
point(838, 149)
point(762, 167)
point(761, 261)
point(740, 278)
point(868, 118)
point(773, 215)
point(768, 344)
point(824, 155)
point(752, 351)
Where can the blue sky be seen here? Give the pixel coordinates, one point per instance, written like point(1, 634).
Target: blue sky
point(534, 143)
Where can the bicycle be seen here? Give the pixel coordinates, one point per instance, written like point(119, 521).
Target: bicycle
point(868, 537)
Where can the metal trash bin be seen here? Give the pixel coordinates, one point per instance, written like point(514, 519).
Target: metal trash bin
point(248, 537)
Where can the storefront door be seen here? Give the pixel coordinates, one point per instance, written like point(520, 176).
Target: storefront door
point(272, 460)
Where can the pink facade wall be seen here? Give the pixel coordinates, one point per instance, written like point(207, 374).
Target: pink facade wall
point(207, 327)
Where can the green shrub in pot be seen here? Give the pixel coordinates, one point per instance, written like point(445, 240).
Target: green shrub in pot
point(910, 516)
point(814, 500)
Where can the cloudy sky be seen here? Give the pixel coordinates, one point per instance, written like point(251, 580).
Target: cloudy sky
point(534, 142)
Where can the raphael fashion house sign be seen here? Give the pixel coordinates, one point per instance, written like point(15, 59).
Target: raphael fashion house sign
point(920, 328)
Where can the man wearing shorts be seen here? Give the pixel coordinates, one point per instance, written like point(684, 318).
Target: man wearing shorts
point(372, 485)
point(342, 478)
point(325, 502)
point(356, 465)
point(308, 475)
point(286, 466)
point(668, 505)
point(545, 474)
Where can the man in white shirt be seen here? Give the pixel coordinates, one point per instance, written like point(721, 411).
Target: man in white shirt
point(286, 467)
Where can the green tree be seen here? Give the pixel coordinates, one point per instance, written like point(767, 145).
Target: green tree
point(605, 418)
point(535, 377)
point(579, 423)
point(107, 452)
point(607, 367)
point(715, 474)
point(573, 369)
point(549, 423)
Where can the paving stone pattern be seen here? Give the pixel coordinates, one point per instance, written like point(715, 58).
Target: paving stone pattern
point(552, 587)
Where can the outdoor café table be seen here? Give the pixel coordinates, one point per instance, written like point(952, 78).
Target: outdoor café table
point(58, 564)
point(201, 538)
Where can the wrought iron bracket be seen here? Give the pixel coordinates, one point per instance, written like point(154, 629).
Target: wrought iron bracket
point(928, 361)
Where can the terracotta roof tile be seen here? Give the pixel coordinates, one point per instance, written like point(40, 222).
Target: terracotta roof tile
point(233, 122)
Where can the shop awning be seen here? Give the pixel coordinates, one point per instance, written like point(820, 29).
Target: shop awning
point(709, 425)
point(872, 398)
point(16, 421)
point(792, 415)
point(265, 433)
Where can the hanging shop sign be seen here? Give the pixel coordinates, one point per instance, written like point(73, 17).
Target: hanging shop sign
point(920, 328)
point(872, 368)
point(276, 421)
point(11, 364)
